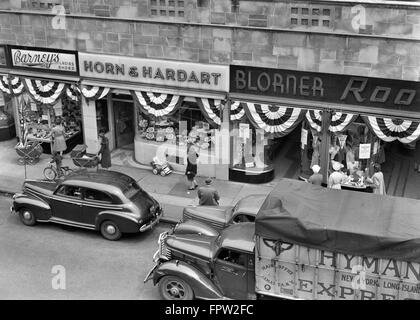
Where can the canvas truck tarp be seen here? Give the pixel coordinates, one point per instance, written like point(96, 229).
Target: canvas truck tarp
point(348, 222)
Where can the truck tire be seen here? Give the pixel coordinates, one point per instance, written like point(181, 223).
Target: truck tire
point(27, 217)
point(174, 288)
point(110, 230)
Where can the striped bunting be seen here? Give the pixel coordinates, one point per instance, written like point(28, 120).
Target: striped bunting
point(237, 111)
point(157, 104)
point(4, 85)
point(45, 92)
point(339, 121)
point(211, 109)
point(17, 85)
point(388, 129)
point(94, 93)
point(73, 92)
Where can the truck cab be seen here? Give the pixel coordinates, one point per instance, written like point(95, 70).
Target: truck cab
point(208, 265)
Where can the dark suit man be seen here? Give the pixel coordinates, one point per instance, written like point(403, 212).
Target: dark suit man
point(208, 195)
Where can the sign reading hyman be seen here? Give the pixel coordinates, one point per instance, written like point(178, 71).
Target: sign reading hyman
point(36, 59)
point(155, 72)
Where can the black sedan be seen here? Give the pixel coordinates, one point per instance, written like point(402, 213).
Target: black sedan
point(108, 201)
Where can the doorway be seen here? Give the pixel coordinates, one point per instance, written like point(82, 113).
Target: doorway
point(124, 123)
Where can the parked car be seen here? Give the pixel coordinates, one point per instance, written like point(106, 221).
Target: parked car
point(219, 217)
point(108, 201)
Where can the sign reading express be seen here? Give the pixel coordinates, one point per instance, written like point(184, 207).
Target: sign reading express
point(333, 88)
point(155, 72)
point(52, 61)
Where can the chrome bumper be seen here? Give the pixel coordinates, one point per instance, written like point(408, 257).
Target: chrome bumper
point(152, 222)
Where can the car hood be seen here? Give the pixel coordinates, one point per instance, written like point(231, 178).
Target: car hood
point(196, 245)
point(220, 214)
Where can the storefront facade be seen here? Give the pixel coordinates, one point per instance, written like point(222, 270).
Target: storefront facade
point(155, 107)
point(41, 85)
point(342, 118)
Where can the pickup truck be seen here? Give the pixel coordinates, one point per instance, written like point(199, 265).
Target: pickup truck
point(307, 242)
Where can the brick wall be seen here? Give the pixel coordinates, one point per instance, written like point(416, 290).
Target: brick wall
point(367, 56)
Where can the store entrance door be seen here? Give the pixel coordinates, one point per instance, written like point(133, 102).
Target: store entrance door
point(124, 123)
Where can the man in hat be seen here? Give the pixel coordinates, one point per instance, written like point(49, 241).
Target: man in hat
point(316, 178)
point(208, 195)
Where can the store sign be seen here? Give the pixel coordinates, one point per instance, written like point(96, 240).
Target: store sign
point(155, 72)
point(334, 88)
point(59, 61)
point(3, 61)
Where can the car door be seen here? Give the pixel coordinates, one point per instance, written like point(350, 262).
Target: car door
point(67, 203)
point(94, 202)
point(231, 271)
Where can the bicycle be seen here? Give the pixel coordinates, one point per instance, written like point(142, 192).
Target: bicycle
point(51, 173)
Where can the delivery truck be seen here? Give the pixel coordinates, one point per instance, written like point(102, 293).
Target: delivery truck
point(307, 242)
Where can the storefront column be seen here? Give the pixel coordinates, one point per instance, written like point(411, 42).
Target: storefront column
point(90, 130)
point(223, 145)
point(325, 145)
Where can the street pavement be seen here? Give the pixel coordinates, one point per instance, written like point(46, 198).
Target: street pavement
point(94, 267)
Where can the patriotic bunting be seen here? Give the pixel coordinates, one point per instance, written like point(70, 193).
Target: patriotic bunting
point(237, 111)
point(339, 121)
point(45, 92)
point(17, 85)
point(4, 85)
point(277, 120)
point(73, 92)
point(94, 93)
point(157, 104)
point(388, 129)
point(211, 109)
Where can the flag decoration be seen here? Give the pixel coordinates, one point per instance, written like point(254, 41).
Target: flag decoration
point(94, 92)
point(339, 121)
point(17, 85)
point(73, 92)
point(157, 104)
point(4, 85)
point(237, 111)
point(45, 92)
point(388, 129)
point(211, 109)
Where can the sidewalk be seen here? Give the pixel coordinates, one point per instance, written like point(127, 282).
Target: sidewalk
point(171, 191)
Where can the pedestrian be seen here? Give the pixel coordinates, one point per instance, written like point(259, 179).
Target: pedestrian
point(208, 195)
point(191, 170)
point(336, 178)
point(104, 151)
point(57, 158)
point(378, 180)
point(58, 137)
point(316, 177)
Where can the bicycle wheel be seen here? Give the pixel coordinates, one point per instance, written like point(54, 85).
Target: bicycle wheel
point(50, 174)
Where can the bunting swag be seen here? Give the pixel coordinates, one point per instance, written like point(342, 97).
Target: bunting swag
point(388, 129)
point(94, 93)
point(157, 104)
point(278, 120)
point(211, 109)
point(237, 111)
point(314, 118)
point(4, 85)
point(45, 92)
point(73, 92)
point(339, 121)
point(17, 85)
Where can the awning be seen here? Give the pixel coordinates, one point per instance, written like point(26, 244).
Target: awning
point(387, 129)
point(339, 121)
point(274, 119)
point(157, 104)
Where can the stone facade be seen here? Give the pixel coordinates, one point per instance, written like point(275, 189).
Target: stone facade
point(255, 34)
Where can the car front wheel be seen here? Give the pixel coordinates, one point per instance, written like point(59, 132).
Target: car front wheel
point(174, 288)
point(27, 217)
point(110, 230)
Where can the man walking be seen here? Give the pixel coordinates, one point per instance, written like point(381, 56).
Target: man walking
point(208, 195)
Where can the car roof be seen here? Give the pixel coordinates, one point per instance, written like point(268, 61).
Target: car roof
point(239, 236)
point(101, 177)
point(251, 204)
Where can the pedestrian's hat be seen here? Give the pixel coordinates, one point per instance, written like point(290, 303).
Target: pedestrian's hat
point(316, 168)
point(208, 181)
point(336, 165)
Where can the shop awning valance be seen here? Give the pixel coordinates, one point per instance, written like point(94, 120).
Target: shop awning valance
point(73, 92)
point(339, 121)
point(237, 111)
point(4, 85)
point(157, 104)
point(388, 129)
point(274, 119)
point(94, 93)
point(211, 109)
point(45, 92)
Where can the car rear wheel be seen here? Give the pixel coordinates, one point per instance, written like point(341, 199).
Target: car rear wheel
point(110, 230)
point(174, 288)
point(27, 217)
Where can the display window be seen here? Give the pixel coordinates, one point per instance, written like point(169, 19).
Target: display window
point(102, 120)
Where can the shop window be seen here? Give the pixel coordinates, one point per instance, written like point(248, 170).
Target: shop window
point(102, 120)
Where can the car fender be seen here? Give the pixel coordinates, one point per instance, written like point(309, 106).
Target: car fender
point(193, 226)
point(40, 208)
point(202, 286)
point(126, 223)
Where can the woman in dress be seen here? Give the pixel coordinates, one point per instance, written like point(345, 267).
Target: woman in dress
point(378, 180)
point(58, 138)
point(337, 177)
point(104, 151)
point(191, 170)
